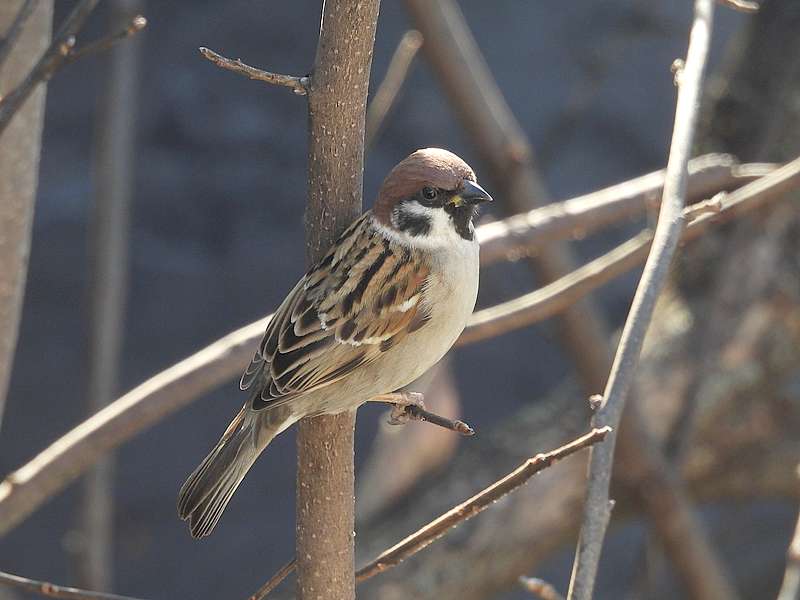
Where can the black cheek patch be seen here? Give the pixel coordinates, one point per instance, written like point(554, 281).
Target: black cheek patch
point(412, 224)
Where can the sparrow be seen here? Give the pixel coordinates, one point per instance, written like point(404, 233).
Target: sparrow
point(384, 305)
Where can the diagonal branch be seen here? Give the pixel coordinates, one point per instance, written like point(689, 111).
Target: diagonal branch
point(52, 59)
point(513, 237)
point(468, 509)
point(540, 588)
point(666, 238)
point(11, 35)
point(299, 85)
point(431, 532)
point(389, 88)
point(51, 590)
point(136, 24)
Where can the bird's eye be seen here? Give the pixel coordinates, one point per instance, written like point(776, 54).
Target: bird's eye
point(429, 193)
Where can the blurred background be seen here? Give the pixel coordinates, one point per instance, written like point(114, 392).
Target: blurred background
point(216, 240)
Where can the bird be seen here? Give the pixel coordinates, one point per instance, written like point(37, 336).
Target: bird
point(382, 306)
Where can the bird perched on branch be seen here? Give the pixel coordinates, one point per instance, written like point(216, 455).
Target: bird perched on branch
point(384, 305)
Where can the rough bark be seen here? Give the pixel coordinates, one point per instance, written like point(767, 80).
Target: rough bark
point(337, 100)
point(20, 146)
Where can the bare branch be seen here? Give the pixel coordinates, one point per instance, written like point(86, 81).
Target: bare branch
point(274, 581)
point(790, 588)
point(553, 298)
point(468, 509)
point(299, 85)
point(52, 59)
point(11, 35)
point(745, 6)
point(458, 514)
point(540, 588)
point(665, 241)
point(51, 590)
point(337, 106)
point(409, 407)
point(514, 237)
point(389, 88)
point(25, 489)
point(136, 24)
point(20, 151)
point(416, 413)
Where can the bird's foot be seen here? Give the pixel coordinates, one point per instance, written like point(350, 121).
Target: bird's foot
point(402, 403)
point(409, 406)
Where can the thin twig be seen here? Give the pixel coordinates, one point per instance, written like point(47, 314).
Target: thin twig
point(540, 587)
point(274, 581)
point(25, 489)
point(665, 241)
point(10, 37)
point(417, 413)
point(458, 514)
point(51, 590)
point(136, 24)
point(52, 59)
point(790, 588)
point(299, 85)
point(389, 88)
point(746, 6)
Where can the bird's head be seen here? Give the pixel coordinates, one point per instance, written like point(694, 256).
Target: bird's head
point(431, 196)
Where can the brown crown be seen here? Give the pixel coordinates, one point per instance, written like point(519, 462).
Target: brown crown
point(431, 166)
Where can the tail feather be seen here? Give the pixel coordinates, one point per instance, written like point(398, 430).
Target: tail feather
point(205, 494)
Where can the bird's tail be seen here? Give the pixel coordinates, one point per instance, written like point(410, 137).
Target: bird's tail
point(207, 491)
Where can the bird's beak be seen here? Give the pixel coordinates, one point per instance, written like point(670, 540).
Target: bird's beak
point(470, 194)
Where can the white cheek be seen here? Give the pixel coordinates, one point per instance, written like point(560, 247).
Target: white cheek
point(441, 234)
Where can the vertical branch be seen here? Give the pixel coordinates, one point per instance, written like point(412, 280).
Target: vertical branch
point(472, 90)
point(19, 173)
point(666, 237)
point(113, 174)
point(337, 99)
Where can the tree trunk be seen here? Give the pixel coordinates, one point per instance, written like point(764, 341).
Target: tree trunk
point(337, 101)
point(20, 146)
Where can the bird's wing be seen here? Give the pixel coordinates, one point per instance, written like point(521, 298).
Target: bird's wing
point(361, 299)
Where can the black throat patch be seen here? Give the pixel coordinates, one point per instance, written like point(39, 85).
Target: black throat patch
point(462, 220)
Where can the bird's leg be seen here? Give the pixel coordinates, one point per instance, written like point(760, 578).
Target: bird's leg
point(409, 406)
point(401, 405)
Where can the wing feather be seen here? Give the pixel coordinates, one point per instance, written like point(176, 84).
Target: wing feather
point(334, 321)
